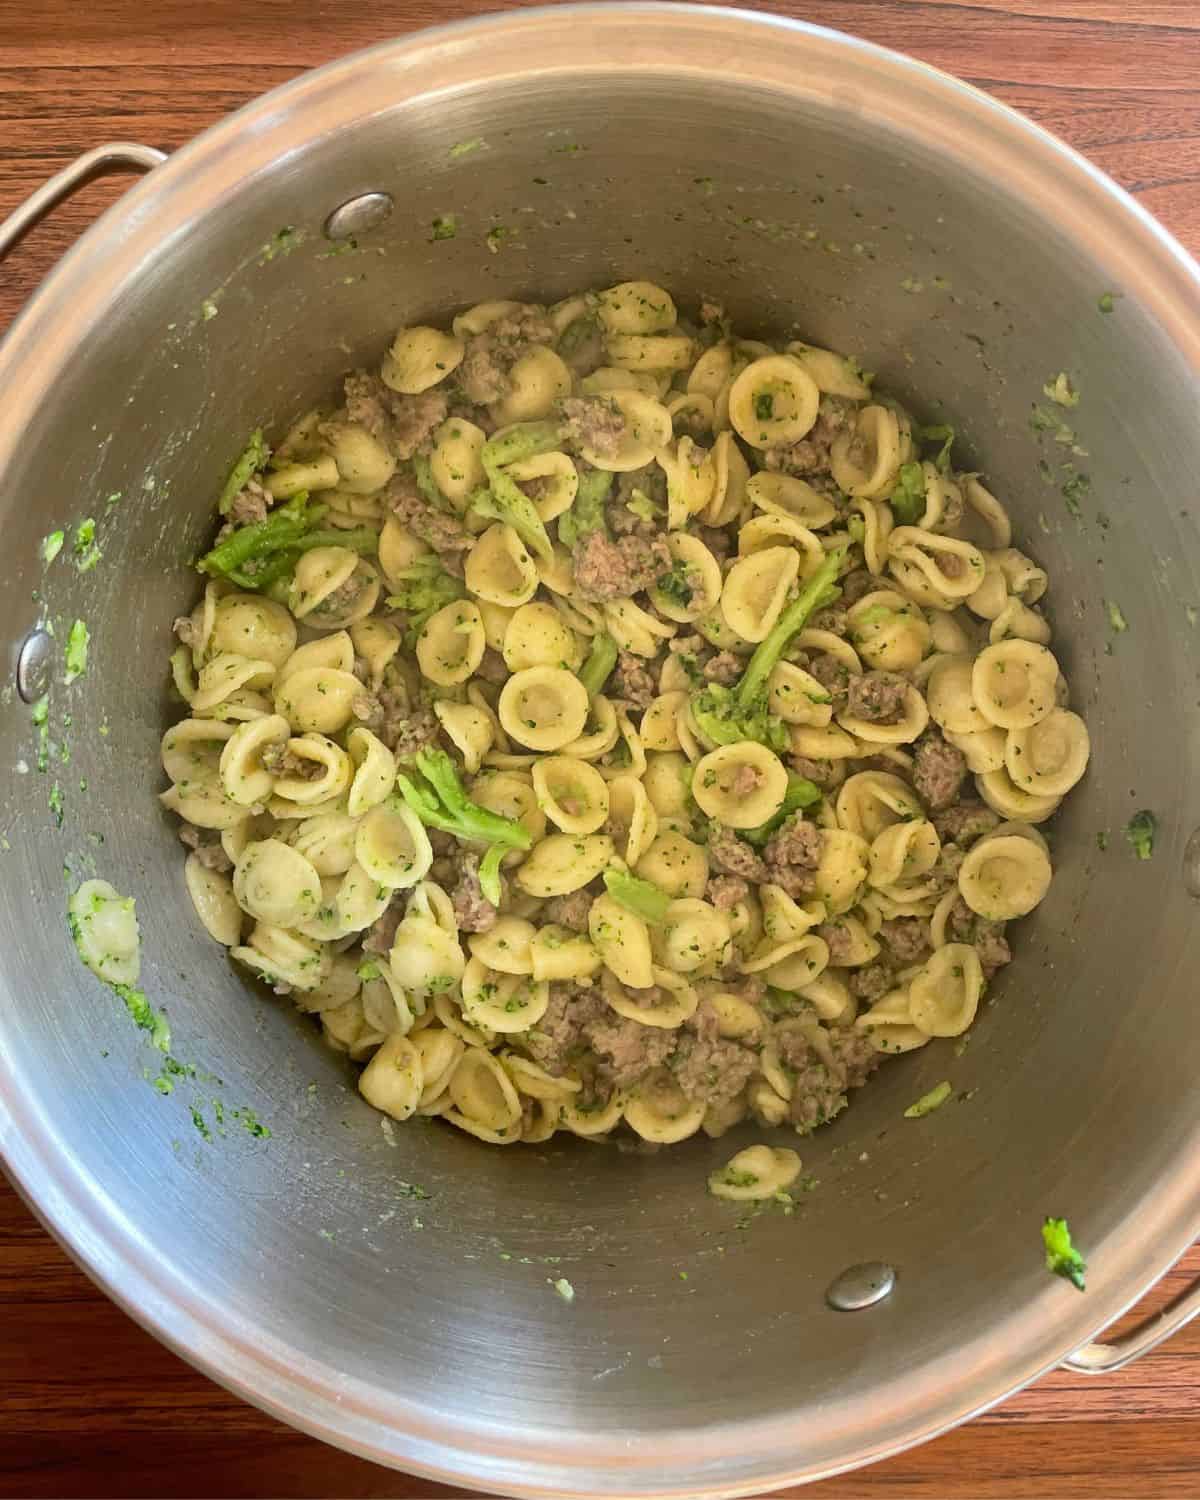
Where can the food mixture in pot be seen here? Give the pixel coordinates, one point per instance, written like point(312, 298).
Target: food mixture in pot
point(603, 722)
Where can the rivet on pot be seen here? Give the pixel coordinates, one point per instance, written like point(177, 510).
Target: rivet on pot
point(861, 1286)
point(33, 665)
point(1191, 864)
point(357, 215)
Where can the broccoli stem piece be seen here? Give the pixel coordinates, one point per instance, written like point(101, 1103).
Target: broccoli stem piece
point(819, 591)
point(587, 510)
point(505, 500)
point(1062, 1258)
point(908, 495)
point(602, 658)
point(800, 793)
point(425, 587)
point(284, 527)
point(927, 1103)
point(426, 483)
point(489, 873)
point(252, 458)
point(520, 441)
point(444, 804)
point(280, 565)
point(641, 897)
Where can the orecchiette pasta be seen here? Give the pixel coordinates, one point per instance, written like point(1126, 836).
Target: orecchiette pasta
point(648, 737)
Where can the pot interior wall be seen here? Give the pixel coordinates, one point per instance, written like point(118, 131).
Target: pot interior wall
point(686, 1312)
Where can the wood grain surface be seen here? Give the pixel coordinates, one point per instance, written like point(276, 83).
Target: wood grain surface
point(89, 1404)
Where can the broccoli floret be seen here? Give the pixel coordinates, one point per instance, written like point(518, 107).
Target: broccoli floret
point(641, 897)
point(250, 461)
point(674, 585)
point(440, 802)
point(602, 658)
point(504, 499)
point(76, 654)
point(927, 1103)
point(1140, 832)
point(587, 510)
point(1062, 1258)
point(263, 553)
point(425, 587)
point(908, 496)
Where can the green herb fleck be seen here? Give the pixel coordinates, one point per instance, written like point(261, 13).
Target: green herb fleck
point(1107, 301)
point(444, 227)
point(464, 148)
point(1102, 840)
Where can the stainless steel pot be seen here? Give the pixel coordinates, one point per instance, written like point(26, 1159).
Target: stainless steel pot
point(805, 178)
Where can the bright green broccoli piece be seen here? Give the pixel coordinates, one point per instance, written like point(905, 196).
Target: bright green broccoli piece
point(723, 721)
point(252, 458)
point(1140, 832)
point(800, 793)
point(522, 440)
point(908, 496)
point(1062, 1258)
point(504, 499)
point(426, 483)
point(440, 802)
point(247, 547)
point(489, 873)
point(587, 511)
point(424, 588)
point(820, 590)
point(641, 897)
point(674, 585)
point(927, 1103)
point(602, 658)
point(76, 654)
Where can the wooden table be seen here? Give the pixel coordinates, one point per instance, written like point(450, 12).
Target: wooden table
point(90, 1405)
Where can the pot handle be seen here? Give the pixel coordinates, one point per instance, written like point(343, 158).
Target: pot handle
point(116, 156)
point(1103, 1359)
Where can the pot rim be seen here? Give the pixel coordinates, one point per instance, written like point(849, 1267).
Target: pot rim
point(757, 50)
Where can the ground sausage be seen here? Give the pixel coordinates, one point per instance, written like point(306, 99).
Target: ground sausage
point(709, 1069)
point(402, 423)
point(250, 504)
point(811, 454)
point(870, 983)
point(817, 1091)
point(877, 697)
point(965, 822)
point(938, 770)
point(832, 620)
point(834, 677)
point(906, 939)
point(280, 761)
point(745, 781)
point(987, 937)
point(594, 422)
point(793, 854)
point(827, 774)
point(733, 856)
point(473, 910)
point(614, 570)
point(381, 934)
point(724, 668)
point(210, 854)
point(838, 938)
point(444, 533)
point(557, 1036)
point(625, 1048)
point(403, 729)
point(569, 911)
point(861, 581)
point(633, 681)
point(725, 891)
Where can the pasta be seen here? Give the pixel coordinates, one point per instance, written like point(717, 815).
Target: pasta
point(648, 731)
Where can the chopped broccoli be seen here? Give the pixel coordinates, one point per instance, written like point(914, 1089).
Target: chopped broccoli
point(1074, 490)
point(261, 554)
point(504, 499)
point(444, 227)
point(1062, 1258)
point(144, 1016)
point(908, 496)
point(943, 434)
point(1107, 301)
point(84, 545)
point(674, 584)
point(1116, 618)
point(76, 654)
point(602, 658)
point(252, 459)
point(1140, 832)
point(426, 483)
point(587, 511)
point(641, 897)
point(440, 802)
point(821, 589)
point(643, 507)
point(927, 1103)
point(52, 546)
point(721, 720)
point(800, 793)
point(425, 587)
